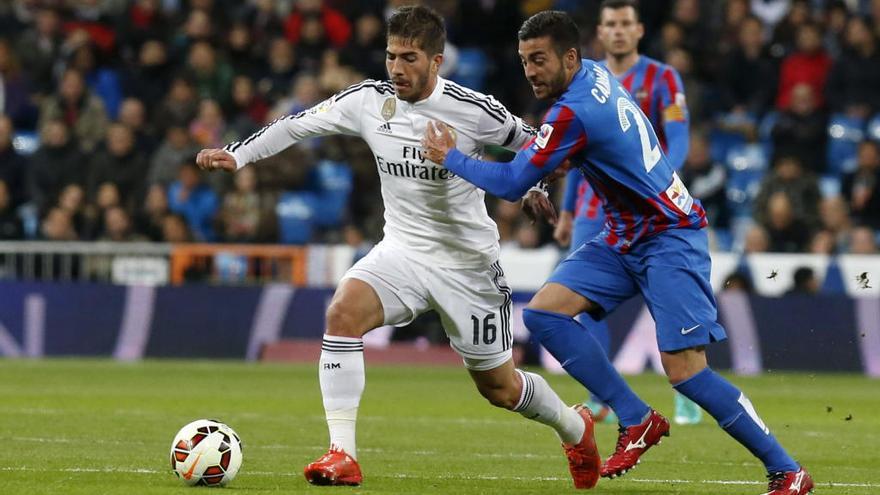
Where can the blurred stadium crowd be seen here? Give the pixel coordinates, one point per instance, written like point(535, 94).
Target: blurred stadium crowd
point(106, 102)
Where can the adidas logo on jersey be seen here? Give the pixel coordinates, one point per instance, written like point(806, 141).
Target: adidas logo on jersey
point(384, 128)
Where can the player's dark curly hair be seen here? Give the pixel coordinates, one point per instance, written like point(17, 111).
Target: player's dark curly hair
point(618, 4)
point(420, 25)
point(558, 25)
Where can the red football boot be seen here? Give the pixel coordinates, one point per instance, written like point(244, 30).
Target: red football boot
point(633, 442)
point(334, 468)
point(583, 459)
point(790, 483)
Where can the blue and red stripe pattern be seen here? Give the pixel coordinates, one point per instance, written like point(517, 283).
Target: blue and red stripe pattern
point(600, 128)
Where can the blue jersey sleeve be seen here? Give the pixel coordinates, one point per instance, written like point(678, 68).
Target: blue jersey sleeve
point(569, 197)
point(561, 136)
point(675, 117)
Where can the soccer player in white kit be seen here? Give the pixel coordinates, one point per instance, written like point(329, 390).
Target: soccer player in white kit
point(440, 249)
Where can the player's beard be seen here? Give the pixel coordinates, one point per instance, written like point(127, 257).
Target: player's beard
point(556, 87)
point(416, 86)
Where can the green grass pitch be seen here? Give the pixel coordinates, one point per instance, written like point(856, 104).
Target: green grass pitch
point(99, 427)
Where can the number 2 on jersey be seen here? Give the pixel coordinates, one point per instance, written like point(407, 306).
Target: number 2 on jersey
point(650, 154)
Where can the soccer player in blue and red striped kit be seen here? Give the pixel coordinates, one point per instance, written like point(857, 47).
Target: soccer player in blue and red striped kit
point(653, 243)
point(659, 92)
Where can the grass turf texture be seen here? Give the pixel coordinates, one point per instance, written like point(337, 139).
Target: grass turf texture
point(99, 427)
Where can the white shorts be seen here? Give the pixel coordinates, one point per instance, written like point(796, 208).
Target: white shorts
point(474, 305)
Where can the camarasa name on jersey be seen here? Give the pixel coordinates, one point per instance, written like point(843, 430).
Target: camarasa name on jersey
point(413, 166)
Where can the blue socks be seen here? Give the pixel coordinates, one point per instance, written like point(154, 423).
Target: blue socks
point(736, 415)
point(584, 359)
point(599, 330)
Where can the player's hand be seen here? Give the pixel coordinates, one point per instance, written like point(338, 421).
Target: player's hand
point(437, 142)
point(215, 159)
point(536, 205)
point(562, 232)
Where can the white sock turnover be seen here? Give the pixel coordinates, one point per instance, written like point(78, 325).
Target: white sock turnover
point(540, 403)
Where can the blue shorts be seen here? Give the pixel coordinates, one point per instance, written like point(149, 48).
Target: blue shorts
point(584, 230)
point(670, 270)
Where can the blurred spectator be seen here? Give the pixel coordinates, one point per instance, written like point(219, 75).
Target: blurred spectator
point(57, 226)
point(197, 27)
point(862, 187)
point(787, 233)
point(117, 227)
point(15, 88)
point(72, 200)
point(149, 77)
point(527, 235)
point(785, 33)
point(366, 50)
point(862, 241)
point(809, 65)
point(195, 200)
point(738, 281)
point(55, 164)
point(208, 129)
point(40, 47)
point(757, 240)
point(213, 77)
point(834, 216)
point(354, 237)
point(151, 217)
point(694, 89)
point(281, 61)
point(854, 81)
point(179, 105)
point(119, 163)
point(305, 93)
point(823, 242)
point(705, 180)
point(805, 282)
point(102, 81)
point(335, 26)
point(13, 166)
point(133, 115)
point(261, 19)
point(800, 188)
point(240, 52)
point(11, 227)
point(241, 216)
point(770, 11)
point(749, 73)
point(735, 12)
point(312, 44)
point(142, 21)
point(176, 148)
point(836, 17)
point(249, 109)
point(175, 229)
point(80, 110)
point(800, 131)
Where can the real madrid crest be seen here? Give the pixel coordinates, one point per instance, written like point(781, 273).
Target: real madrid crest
point(388, 108)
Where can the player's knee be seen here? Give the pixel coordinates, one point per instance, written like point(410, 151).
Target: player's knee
point(503, 397)
point(343, 322)
point(539, 321)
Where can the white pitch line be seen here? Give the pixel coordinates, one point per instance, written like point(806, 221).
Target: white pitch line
point(435, 477)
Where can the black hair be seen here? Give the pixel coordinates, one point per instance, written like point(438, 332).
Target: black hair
point(558, 25)
point(421, 25)
point(619, 4)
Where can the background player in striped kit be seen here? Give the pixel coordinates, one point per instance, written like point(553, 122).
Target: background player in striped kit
point(659, 91)
point(440, 249)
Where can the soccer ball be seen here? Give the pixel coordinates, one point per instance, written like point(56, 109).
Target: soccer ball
point(206, 452)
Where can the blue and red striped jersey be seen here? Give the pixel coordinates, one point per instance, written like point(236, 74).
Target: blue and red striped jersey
point(659, 92)
point(601, 129)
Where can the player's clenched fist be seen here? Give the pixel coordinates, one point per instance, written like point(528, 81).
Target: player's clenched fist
point(215, 159)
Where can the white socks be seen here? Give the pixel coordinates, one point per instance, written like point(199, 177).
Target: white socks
point(341, 373)
point(540, 403)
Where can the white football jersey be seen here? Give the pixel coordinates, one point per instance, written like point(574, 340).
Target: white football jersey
point(431, 213)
